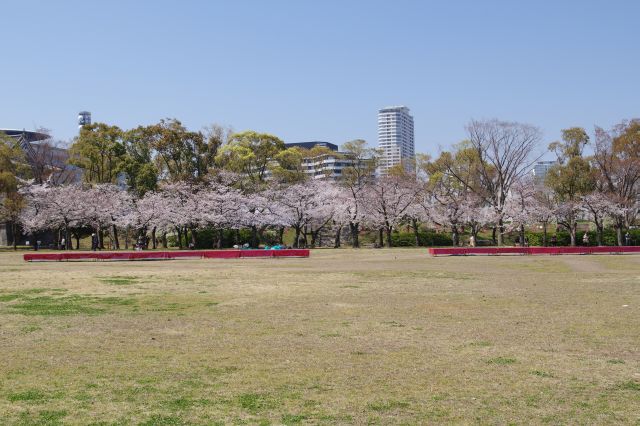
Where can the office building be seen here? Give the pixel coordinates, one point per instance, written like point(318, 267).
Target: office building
point(540, 170)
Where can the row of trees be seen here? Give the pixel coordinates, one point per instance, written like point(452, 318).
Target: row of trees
point(176, 182)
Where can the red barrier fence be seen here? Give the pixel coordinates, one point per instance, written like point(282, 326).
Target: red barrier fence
point(162, 255)
point(463, 251)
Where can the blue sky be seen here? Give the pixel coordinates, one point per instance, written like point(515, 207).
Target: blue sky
point(319, 70)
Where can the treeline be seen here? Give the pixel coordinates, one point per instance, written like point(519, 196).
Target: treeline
point(163, 182)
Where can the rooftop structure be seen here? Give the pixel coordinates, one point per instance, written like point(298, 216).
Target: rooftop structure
point(25, 138)
point(312, 144)
point(84, 119)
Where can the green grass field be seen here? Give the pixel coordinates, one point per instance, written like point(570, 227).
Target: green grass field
point(344, 337)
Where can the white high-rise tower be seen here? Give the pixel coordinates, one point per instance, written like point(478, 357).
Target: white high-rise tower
point(395, 138)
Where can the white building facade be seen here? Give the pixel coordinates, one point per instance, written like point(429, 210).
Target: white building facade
point(395, 138)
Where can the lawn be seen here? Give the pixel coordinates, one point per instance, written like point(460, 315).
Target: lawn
point(344, 337)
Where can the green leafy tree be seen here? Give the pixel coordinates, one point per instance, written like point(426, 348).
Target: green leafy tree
point(138, 164)
point(99, 151)
point(181, 155)
point(288, 165)
point(250, 154)
point(572, 178)
point(13, 165)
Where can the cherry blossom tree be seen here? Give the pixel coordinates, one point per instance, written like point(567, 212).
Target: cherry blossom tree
point(617, 162)
point(387, 200)
point(322, 217)
point(543, 210)
point(567, 213)
point(53, 207)
point(476, 214)
point(221, 206)
point(145, 213)
point(104, 206)
point(181, 209)
point(519, 206)
point(303, 204)
point(599, 207)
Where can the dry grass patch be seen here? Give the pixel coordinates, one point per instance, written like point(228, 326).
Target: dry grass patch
point(344, 337)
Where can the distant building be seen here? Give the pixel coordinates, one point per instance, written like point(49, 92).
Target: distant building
point(47, 162)
point(395, 138)
point(329, 165)
point(540, 170)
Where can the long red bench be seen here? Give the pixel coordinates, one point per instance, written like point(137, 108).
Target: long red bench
point(463, 251)
point(161, 255)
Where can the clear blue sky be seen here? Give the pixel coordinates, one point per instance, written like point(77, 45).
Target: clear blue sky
point(319, 70)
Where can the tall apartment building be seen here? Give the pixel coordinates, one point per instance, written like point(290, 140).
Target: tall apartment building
point(395, 138)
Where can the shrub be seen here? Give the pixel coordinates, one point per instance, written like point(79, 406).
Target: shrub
point(427, 238)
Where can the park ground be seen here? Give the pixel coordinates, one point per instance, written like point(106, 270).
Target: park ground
point(344, 337)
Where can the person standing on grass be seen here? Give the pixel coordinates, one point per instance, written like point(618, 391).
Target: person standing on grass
point(63, 244)
point(627, 239)
point(585, 239)
point(94, 242)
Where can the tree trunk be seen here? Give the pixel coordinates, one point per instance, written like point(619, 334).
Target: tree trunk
point(254, 237)
point(544, 234)
point(619, 234)
point(220, 237)
point(573, 229)
point(599, 232)
point(297, 239)
point(164, 240)
point(493, 235)
point(194, 238)
point(355, 231)
point(522, 240)
point(381, 237)
point(179, 231)
point(116, 241)
point(77, 241)
point(336, 243)
point(500, 232)
point(126, 237)
point(281, 235)
point(415, 226)
point(67, 238)
point(454, 236)
point(153, 238)
point(388, 229)
point(13, 235)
